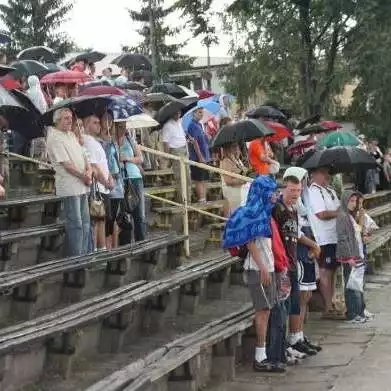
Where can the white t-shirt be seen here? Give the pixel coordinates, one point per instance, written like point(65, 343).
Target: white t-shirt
point(97, 156)
point(357, 234)
point(265, 247)
point(64, 147)
point(323, 199)
point(173, 134)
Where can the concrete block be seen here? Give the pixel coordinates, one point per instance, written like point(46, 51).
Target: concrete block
point(224, 360)
point(74, 284)
point(191, 295)
point(218, 284)
point(24, 304)
point(117, 272)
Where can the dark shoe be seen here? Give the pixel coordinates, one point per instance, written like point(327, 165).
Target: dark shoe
point(303, 348)
point(311, 345)
point(263, 366)
point(279, 367)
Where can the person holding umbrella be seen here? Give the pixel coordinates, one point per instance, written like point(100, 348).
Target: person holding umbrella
point(199, 152)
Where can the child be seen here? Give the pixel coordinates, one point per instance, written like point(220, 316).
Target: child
point(350, 252)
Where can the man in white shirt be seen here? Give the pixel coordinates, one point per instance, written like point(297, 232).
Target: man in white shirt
point(73, 178)
point(324, 205)
point(98, 160)
point(175, 143)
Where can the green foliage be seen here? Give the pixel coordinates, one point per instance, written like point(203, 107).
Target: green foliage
point(36, 22)
point(169, 59)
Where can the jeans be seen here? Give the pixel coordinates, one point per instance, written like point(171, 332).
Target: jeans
point(354, 300)
point(276, 334)
point(77, 225)
point(138, 213)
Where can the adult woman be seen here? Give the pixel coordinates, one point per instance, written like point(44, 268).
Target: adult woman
point(35, 94)
point(117, 193)
point(131, 159)
point(231, 186)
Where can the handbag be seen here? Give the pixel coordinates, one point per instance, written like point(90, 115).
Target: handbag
point(97, 206)
point(131, 197)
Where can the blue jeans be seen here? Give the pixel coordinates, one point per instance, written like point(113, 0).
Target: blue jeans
point(77, 225)
point(354, 300)
point(138, 213)
point(276, 334)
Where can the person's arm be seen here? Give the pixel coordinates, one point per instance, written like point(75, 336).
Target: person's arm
point(71, 168)
point(256, 257)
point(318, 206)
point(227, 165)
point(313, 246)
point(192, 136)
point(138, 158)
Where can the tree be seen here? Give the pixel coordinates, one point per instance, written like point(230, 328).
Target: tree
point(296, 47)
point(35, 23)
point(168, 56)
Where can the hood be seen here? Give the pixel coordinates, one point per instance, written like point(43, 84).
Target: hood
point(297, 172)
point(346, 195)
point(33, 81)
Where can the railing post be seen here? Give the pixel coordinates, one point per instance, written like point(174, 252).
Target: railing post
point(184, 186)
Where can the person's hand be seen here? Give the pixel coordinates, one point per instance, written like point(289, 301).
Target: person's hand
point(365, 238)
point(316, 251)
point(2, 192)
point(202, 160)
point(265, 276)
point(352, 262)
point(110, 183)
point(87, 177)
point(1, 179)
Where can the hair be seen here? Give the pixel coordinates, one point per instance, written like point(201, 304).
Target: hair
point(58, 114)
point(225, 121)
point(291, 179)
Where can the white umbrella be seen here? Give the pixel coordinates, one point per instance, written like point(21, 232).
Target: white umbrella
point(189, 92)
point(141, 121)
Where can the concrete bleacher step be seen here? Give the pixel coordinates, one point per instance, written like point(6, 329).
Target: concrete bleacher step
point(52, 344)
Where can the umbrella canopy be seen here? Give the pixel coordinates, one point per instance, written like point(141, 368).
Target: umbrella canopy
point(137, 96)
point(159, 97)
point(90, 57)
point(28, 68)
point(100, 90)
point(342, 139)
point(280, 131)
point(9, 82)
point(340, 159)
point(82, 106)
point(19, 118)
point(5, 37)
point(140, 121)
point(266, 112)
point(168, 111)
point(331, 125)
point(210, 110)
point(299, 147)
point(169, 89)
point(310, 120)
point(5, 70)
point(65, 77)
point(241, 131)
point(123, 108)
point(22, 98)
point(38, 53)
point(204, 94)
point(313, 129)
point(133, 61)
point(134, 85)
point(95, 83)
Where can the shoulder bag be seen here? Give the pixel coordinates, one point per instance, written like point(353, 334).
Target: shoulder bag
point(97, 206)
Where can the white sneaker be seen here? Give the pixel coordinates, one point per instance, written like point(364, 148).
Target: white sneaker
point(295, 354)
point(368, 315)
point(357, 320)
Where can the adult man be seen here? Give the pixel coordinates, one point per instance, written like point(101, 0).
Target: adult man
point(175, 143)
point(324, 205)
point(101, 172)
point(285, 214)
point(107, 75)
point(73, 178)
point(199, 152)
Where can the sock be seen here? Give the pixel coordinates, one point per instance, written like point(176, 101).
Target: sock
point(260, 354)
point(293, 338)
point(301, 335)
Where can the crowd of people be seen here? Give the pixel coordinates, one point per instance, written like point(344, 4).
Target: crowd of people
point(294, 238)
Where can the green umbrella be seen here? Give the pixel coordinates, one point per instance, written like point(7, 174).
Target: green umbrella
point(339, 139)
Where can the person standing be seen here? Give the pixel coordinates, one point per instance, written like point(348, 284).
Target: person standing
point(175, 143)
point(260, 156)
point(35, 94)
point(199, 152)
point(73, 178)
point(323, 205)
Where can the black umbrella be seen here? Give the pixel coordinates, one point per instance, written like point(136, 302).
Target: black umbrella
point(241, 131)
point(266, 112)
point(134, 85)
point(159, 97)
point(133, 61)
point(168, 111)
point(340, 159)
point(95, 83)
point(82, 106)
point(169, 89)
point(22, 98)
point(313, 129)
point(28, 68)
point(20, 119)
point(90, 57)
point(310, 120)
point(38, 53)
point(5, 70)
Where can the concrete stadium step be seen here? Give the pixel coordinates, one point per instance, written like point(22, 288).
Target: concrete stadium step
point(50, 344)
point(35, 290)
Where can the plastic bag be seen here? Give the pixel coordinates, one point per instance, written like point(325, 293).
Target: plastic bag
point(284, 286)
point(356, 278)
point(369, 224)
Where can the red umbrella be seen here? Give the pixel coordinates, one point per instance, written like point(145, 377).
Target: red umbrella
point(331, 125)
point(299, 147)
point(66, 77)
point(10, 83)
point(204, 94)
point(101, 90)
point(281, 131)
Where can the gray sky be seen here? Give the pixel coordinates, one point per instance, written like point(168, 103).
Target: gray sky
point(108, 27)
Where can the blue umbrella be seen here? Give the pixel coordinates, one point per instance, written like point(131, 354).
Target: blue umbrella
point(216, 98)
point(206, 104)
point(123, 107)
